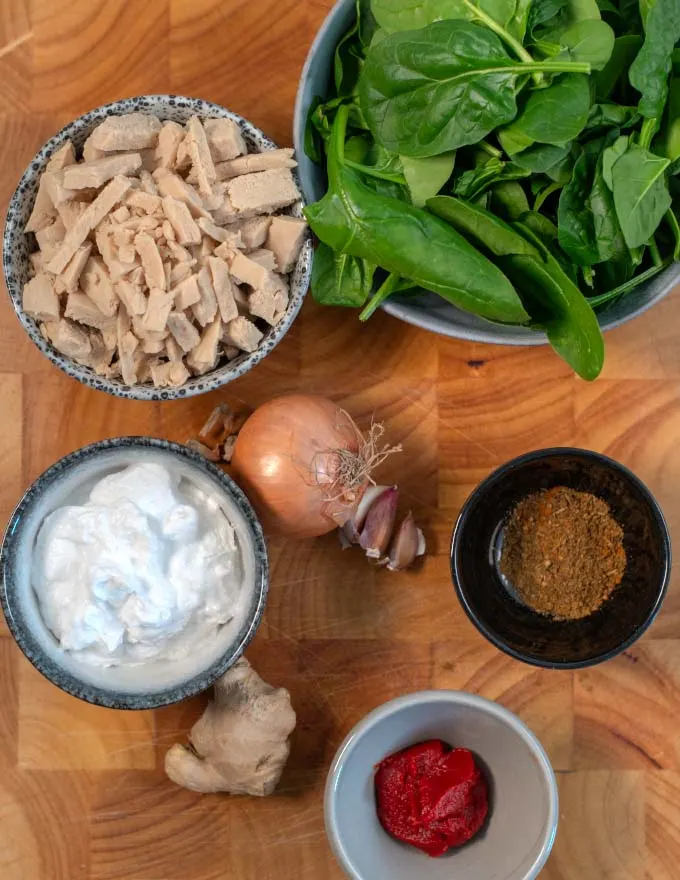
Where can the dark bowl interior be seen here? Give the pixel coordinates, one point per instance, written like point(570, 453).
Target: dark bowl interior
point(517, 629)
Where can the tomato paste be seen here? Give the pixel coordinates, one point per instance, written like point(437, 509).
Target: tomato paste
point(431, 796)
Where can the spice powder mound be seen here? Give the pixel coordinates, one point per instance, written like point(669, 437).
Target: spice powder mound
point(563, 552)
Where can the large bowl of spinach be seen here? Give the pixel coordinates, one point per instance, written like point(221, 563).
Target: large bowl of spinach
point(496, 170)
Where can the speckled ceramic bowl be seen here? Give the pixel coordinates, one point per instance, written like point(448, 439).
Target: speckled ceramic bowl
point(17, 246)
point(154, 684)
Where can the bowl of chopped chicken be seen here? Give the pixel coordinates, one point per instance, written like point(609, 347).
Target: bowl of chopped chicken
point(155, 248)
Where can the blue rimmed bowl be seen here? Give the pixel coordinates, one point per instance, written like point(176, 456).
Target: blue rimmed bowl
point(17, 246)
point(428, 310)
point(153, 684)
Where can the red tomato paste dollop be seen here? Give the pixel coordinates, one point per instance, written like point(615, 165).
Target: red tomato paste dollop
point(431, 796)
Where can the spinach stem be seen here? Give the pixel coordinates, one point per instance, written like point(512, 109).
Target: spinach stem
point(375, 172)
point(386, 288)
point(494, 152)
point(675, 229)
point(647, 132)
point(493, 25)
point(603, 298)
point(654, 250)
point(542, 196)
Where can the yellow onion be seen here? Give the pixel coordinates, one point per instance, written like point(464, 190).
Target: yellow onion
point(303, 464)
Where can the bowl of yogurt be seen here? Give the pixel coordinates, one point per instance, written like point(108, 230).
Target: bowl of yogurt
point(134, 573)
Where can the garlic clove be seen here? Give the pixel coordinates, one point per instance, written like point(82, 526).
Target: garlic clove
point(408, 543)
point(377, 530)
point(349, 532)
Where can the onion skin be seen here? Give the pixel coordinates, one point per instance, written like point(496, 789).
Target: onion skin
point(274, 458)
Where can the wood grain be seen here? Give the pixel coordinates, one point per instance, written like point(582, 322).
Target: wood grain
point(82, 791)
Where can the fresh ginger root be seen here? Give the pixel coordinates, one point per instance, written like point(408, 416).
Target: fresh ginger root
point(240, 743)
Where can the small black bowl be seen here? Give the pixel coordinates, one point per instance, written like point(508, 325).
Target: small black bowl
point(515, 628)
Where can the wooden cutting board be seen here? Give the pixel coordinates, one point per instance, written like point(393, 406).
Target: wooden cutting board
point(82, 791)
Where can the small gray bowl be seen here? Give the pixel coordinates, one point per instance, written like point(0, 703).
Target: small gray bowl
point(514, 843)
point(141, 687)
point(17, 246)
point(430, 311)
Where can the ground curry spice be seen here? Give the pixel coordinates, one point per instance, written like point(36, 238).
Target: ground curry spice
point(563, 552)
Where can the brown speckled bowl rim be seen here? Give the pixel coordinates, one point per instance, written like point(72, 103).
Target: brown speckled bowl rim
point(66, 680)
point(15, 248)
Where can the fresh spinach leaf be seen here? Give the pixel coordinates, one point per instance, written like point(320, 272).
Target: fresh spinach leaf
point(339, 279)
point(590, 40)
point(549, 188)
point(649, 72)
point(425, 177)
point(508, 199)
point(624, 51)
point(313, 141)
point(669, 140)
point(347, 62)
point(357, 148)
point(587, 219)
point(605, 116)
point(610, 156)
point(554, 115)
point(541, 157)
point(447, 85)
point(408, 15)
point(570, 323)
point(640, 191)
point(471, 184)
point(497, 236)
point(367, 23)
point(513, 141)
point(543, 11)
point(518, 22)
point(406, 240)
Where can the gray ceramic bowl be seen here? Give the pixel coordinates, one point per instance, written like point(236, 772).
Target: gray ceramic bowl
point(519, 833)
point(17, 246)
point(151, 685)
point(430, 311)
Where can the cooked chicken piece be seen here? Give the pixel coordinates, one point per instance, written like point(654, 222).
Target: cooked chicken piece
point(225, 138)
point(174, 352)
point(203, 357)
point(183, 331)
point(129, 357)
point(118, 262)
point(262, 304)
point(205, 310)
point(110, 338)
point(43, 212)
point(205, 250)
point(51, 238)
point(148, 159)
point(264, 258)
point(230, 351)
point(183, 159)
point(65, 155)
point(132, 131)
point(40, 300)
point(159, 306)
point(99, 357)
point(228, 248)
point(146, 183)
point(247, 271)
point(164, 375)
point(201, 160)
point(215, 232)
point(120, 215)
point(224, 289)
point(181, 254)
point(95, 281)
point(254, 232)
point(152, 346)
point(186, 293)
point(171, 184)
point(56, 190)
point(70, 339)
point(285, 239)
point(80, 308)
point(147, 249)
point(263, 192)
point(255, 162)
point(70, 277)
point(90, 152)
point(70, 212)
point(142, 332)
point(131, 296)
point(168, 231)
point(170, 137)
point(93, 215)
point(143, 201)
point(97, 172)
point(182, 222)
point(242, 334)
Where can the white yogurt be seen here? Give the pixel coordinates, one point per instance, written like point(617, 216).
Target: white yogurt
point(143, 571)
